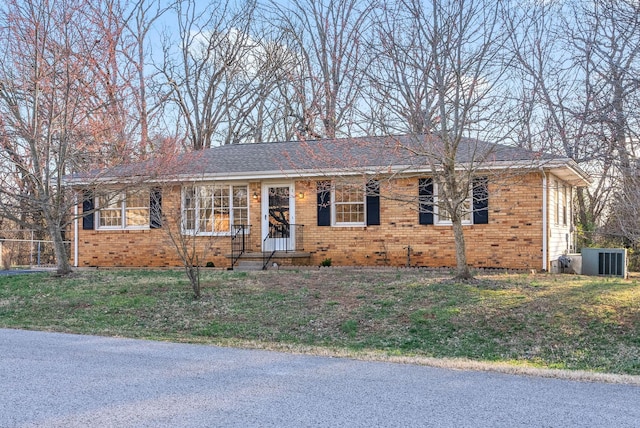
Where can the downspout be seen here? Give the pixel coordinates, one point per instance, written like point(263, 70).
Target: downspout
point(573, 221)
point(75, 232)
point(545, 232)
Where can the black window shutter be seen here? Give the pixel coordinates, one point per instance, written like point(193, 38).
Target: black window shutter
point(480, 200)
point(88, 206)
point(425, 201)
point(155, 208)
point(324, 203)
point(373, 203)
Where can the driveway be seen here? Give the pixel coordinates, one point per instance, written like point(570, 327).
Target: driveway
point(61, 380)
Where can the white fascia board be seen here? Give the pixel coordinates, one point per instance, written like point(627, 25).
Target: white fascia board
point(295, 174)
point(78, 182)
point(570, 172)
point(329, 172)
point(565, 168)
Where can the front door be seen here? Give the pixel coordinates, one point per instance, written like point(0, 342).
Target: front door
point(278, 217)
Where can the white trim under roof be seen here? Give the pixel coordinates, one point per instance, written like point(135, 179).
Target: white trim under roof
point(564, 168)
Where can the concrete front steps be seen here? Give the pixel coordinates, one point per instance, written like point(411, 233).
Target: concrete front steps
point(254, 261)
point(247, 265)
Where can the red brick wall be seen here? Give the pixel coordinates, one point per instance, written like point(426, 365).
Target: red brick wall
point(512, 239)
point(153, 247)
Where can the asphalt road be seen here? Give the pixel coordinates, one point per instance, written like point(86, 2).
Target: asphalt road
point(61, 380)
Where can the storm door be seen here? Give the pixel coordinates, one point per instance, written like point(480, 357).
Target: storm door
point(278, 217)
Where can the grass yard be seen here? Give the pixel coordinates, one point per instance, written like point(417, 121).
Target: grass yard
point(548, 321)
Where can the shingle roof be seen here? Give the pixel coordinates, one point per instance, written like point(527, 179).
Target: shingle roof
point(317, 157)
point(346, 153)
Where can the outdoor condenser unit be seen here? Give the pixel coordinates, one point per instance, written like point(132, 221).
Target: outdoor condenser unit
point(604, 261)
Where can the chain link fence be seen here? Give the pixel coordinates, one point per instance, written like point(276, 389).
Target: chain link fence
point(23, 249)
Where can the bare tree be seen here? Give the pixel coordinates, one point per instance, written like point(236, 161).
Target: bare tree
point(549, 95)
point(206, 74)
point(579, 61)
point(328, 38)
point(262, 113)
point(622, 224)
point(438, 83)
point(59, 102)
point(190, 248)
point(609, 40)
point(404, 98)
point(139, 21)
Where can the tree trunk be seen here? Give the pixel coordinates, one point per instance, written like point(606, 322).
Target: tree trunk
point(462, 269)
point(583, 216)
point(63, 267)
point(193, 272)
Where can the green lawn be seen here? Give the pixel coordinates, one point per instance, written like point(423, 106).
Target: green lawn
point(551, 321)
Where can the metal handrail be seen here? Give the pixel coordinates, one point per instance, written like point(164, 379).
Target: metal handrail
point(283, 233)
point(240, 234)
point(266, 256)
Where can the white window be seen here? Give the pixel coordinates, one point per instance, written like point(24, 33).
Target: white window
point(213, 209)
point(124, 210)
point(240, 205)
point(557, 201)
point(189, 208)
point(565, 200)
point(349, 204)
point(442, 217)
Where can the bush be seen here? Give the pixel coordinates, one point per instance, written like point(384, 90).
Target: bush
point(326, 262)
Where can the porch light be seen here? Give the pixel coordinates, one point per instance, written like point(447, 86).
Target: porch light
point(301, 195)
point(255, 195)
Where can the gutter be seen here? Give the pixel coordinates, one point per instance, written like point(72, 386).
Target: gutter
point(580, 176)
point(545, 233)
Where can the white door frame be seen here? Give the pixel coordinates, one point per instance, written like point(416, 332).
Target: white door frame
point(282, 244)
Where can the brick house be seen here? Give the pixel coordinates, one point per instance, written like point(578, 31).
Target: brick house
point(364, 201)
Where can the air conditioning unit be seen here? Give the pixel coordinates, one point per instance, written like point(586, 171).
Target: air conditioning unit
point(604, 261)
